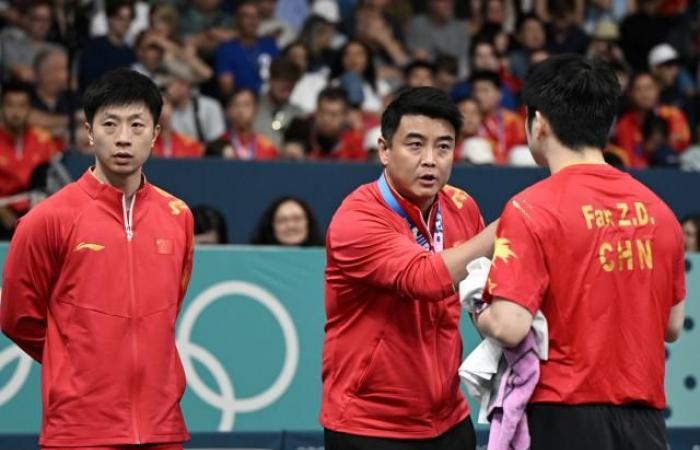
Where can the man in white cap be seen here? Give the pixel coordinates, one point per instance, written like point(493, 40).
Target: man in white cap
point(676, 85)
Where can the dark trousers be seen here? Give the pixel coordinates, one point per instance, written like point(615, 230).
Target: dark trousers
point(459, 437)
point(598, 427)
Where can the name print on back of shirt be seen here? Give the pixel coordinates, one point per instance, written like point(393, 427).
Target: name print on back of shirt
point(622, 254)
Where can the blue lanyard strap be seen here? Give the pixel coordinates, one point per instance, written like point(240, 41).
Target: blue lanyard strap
point(424, 241)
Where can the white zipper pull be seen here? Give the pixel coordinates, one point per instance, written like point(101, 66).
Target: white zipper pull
point(128, 216)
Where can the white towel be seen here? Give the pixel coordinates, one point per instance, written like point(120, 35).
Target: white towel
point(481, 371)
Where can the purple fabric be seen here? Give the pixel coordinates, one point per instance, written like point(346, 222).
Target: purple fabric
point(509, 430)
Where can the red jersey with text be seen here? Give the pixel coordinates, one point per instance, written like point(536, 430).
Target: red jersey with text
point(392, 346)
point(628, 133)
point(92, 290)
point(602, 257)
point(177, 145)
point(20, 157)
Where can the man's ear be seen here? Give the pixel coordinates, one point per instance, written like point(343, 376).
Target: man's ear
point(156, 133)
point(91, 137)
point(541, 127)
point(383, 147)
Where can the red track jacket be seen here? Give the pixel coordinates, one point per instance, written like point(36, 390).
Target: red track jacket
point(92, 293)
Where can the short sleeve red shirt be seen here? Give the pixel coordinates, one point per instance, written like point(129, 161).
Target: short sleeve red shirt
point(602, 257)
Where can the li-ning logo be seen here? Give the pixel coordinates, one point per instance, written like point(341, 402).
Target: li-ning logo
point(88, 246)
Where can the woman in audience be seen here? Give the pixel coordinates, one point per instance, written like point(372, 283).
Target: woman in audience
point(287, 221)
point(691, 232)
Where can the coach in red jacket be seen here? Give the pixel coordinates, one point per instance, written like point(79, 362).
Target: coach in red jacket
point(93, 283)
point(396, 249)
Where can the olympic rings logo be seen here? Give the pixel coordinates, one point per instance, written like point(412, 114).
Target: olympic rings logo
point(223, 398)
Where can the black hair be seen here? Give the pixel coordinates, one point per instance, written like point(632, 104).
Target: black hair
point(694, 218)
point(637, 75)
point(527, 17)
point(265, 234)
point(485, 75)
point(334, 94)
point(578, 97)
point(122, 87)
point(418, 64)
point(481, 40)
point(654, 124)
point(16, 86)
point(369, 74)
point(113, 6)
point(207, 218)
point(420, 101)
point(446, 63)
point(237, 92)
point(282, 68)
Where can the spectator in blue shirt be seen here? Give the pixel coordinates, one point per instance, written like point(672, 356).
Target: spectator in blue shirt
point(244, 62)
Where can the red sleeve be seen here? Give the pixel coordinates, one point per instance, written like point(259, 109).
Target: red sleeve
point(30, 271)
point(188, 260)
point(368, 249)
point(518, 271)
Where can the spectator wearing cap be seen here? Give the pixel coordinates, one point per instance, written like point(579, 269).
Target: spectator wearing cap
point(195, 115)
point(104, 53)
point(604, 43)
point(438, 32)
point(677, 88)
point(275, 112)
point(244, 62)
point(240, 141)
point(327, 133)
point(504, 129)
point(644, 101)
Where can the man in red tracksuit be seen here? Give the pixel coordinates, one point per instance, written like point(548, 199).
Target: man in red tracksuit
point(93, 282)
point(395, 250)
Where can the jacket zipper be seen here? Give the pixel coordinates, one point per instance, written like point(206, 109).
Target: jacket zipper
point(128, 229)
point(438, 366)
